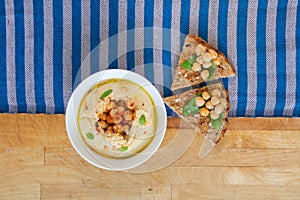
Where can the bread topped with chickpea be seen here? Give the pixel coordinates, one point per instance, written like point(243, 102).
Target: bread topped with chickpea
point(200, 62)
point(205, 109)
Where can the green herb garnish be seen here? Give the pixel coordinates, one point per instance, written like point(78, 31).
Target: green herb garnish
point(191, 107)
point(211, 70)
point(123, 148)
point(199, 94)
point(192, 59)
point(187, 64)
point(142, 120)
point(217, 123)
point(106, 93)
point(90, 136)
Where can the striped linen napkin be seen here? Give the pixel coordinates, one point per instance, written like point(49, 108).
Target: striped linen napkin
point(43, 44)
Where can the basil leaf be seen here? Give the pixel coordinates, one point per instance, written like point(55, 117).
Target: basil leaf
point(187, 64)
point(90, 136)
point(217, 123)
point(142, 120)
point(199, 94)
point(123, 148)
point(106, 93)
point(211, 70)
point(190, 108)
point(192, 59)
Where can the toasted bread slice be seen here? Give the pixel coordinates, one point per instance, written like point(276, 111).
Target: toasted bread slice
point(210, 127)
point(196, 50)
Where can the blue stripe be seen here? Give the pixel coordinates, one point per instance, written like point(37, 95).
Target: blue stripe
point(19, 55)
point(38, 11)
point(148, 41)
point(242, 58)
point(261, 57)
point(166, 54)
point(130, 34)
point(166, 46)
point(58, 56)
point(203, 19)
point(297, 108)
point(222, 31)
point(184, 19)
point(76, 41)
point(3, 86)
point(95, 35)
point(280, 58)
point(113, 30)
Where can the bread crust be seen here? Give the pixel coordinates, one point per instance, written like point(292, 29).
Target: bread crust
point(200, 123)
point(184, 78)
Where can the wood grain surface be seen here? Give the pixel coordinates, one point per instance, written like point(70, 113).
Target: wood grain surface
point(259, 158)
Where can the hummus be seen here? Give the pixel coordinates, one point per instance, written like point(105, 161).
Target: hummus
point(117, 118)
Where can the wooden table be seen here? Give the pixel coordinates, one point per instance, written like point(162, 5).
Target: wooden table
point(258, 159)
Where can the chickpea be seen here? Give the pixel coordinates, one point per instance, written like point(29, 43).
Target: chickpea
point(127, 115)
point(215, 100)
point(117, 128)
point(199, 60)
point(200, 49)
point(126, 127)
point(120, 110)
point(117, 119)
point(217, 61)
point(103, 124)
point(123, 103)
point(204, 112)
point(216, 93)
point(110, 105)
point(109, 128)
point(205, 95)
point(205, 74)
point(213, 53)
point(99, 129)
point(206, 65)
point(108, 132)
point(218, 109)
point(113, 112)
point(196, 67)
point(208, 105)
point(206, 57)
point(223, 102)
point(131, 105)
point(109, 119)
point(102, 116)
point(213, 115)
point(199, 101)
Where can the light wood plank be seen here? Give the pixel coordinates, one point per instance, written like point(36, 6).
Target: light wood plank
point(242, 123)
point(87, 190)
point(289, 139)
point(216, 191)
point(257, 154)
point(26, 191)
point(242, 157)
point(266, 123)
point(18, 158)
point(173, 174)
point(23, 130)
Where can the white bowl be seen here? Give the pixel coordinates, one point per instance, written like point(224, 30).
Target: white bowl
point(88, 154)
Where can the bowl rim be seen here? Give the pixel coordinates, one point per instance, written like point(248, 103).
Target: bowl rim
point(91, 156)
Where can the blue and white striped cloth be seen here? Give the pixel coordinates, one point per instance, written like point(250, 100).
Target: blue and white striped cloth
point(43, 43)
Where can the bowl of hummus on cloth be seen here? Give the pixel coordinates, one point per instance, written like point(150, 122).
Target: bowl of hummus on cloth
point(116, 119)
